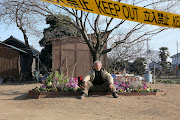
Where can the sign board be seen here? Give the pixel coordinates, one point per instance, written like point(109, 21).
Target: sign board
point(122, 11)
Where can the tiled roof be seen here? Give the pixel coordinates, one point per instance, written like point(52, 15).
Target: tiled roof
point(13, 47)
point(178, 54)
point(22, 45)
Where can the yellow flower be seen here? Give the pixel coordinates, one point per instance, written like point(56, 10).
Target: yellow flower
point(121, 90)
point(56, 90)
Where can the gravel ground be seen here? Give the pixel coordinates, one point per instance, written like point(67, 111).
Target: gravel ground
point(15, 105)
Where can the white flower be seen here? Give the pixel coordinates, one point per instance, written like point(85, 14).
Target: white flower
point(58, 83)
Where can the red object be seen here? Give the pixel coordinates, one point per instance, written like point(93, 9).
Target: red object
point(80, 78)
point(176, 68)
point(80, 81)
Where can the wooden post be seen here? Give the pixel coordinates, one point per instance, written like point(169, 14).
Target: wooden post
point(74, 69)
point(67, 67)
point(154, 75)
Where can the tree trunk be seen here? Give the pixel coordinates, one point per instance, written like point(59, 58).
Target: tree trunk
point(25, 38)
point(97, 57)
point(26, 60)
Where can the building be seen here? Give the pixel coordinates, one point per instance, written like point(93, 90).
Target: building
point(175, 61)
point(155, 65)
point(23, 58)
point(72, 56)
point(10, 60)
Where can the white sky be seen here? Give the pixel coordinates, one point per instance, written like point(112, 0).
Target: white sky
point(6, 32)
point(165, 39)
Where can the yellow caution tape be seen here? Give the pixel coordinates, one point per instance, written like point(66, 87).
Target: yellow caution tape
point(122, 11)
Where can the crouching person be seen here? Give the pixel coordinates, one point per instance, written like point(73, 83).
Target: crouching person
point(98, 80)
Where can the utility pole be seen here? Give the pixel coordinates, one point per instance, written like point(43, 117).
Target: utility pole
point(148, 57)
point(154, 74)
point(38, 71)
point(148, 76)
point(177, 66)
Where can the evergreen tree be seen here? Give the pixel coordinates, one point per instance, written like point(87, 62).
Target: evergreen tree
point(56, 29)
point(138, 66)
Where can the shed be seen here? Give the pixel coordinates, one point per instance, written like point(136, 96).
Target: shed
point(10, 60)
point(21, 45)
point(72, 56)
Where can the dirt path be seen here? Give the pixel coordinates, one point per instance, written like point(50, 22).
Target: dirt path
point(15, 105)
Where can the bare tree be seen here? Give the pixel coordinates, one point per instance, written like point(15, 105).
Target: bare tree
point(120, 57)
point(126, 51)
point(103, 27)
point(14, 12)
point(153, 56)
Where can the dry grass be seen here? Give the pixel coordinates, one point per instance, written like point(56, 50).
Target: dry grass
point(15, 105)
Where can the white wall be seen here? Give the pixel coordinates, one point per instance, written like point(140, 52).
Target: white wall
point(174, 60)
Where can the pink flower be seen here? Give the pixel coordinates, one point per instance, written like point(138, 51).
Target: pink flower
point(73, 84)
point(76, 80)
point(43, 86)
point(144, 87)
point(68, 85)
point(127, 85)
point(116, 83)
point(71, 80)
point(123, 85)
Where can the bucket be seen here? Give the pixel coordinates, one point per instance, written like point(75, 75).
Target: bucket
point(37, 76)
point(148, 77)
point(114, 76)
